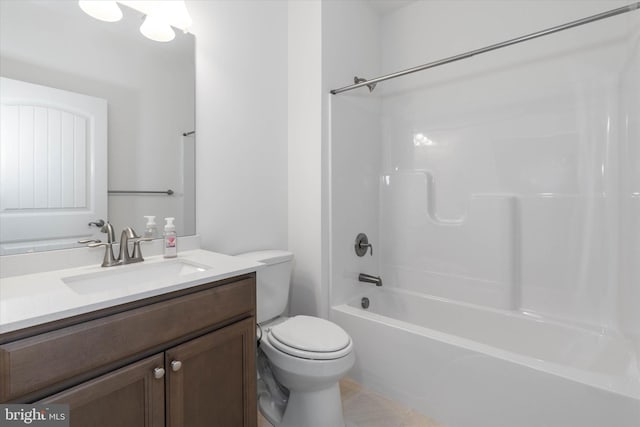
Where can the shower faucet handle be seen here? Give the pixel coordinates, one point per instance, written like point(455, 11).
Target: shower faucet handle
point(366, 246)
point(362, 244)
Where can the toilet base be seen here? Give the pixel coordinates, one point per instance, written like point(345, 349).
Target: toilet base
point(314, 391)
point(318, 408)
point(269, 410)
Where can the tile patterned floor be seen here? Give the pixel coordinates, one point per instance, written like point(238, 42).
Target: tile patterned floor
point(364, 408)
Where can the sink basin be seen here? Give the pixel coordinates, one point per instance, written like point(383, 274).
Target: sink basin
point(131, 276)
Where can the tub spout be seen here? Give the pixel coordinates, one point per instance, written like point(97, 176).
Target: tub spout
point(367, 278)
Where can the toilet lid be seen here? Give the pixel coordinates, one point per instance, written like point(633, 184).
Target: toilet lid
point(310, 335)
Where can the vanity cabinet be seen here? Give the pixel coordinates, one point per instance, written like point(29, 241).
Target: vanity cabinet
point(214, 383)
point(127, 397)
point(182, 359)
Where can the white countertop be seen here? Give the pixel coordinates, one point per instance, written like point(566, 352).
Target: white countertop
point(34, 299)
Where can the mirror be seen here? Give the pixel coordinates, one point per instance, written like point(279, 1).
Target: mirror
point(149, 88)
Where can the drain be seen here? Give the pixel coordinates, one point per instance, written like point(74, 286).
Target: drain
point(365, 302)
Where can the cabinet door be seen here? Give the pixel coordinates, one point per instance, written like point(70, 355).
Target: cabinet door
point(128, 397)
point(211, 380)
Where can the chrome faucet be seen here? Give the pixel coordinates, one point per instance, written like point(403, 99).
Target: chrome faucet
point(108, 228)
point(109, 259)
point(125, 256)
point(367, 278)
point(127, 234)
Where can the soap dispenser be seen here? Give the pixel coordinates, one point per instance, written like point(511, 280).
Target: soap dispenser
point(151, 230)
point(170, 239)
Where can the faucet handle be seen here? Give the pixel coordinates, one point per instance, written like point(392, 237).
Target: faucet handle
point(139, 239)
point(99, 223)
point(137, 252)
point(362, 244)
point(85, 241)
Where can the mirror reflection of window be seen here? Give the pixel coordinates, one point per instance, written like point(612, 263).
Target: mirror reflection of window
point(53, 146)
point(149, 88)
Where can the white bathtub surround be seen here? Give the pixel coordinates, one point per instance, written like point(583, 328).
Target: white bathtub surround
point(465, 365)
point(511, 200)
point(502, 204)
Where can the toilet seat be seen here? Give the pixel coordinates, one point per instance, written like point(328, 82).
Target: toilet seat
point(310, 338)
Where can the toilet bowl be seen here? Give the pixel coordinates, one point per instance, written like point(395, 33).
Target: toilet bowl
point(307, 355)
point(309, 369)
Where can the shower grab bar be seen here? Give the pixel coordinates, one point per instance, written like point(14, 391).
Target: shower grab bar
point(372, 82)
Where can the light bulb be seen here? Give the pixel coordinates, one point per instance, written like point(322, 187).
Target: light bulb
point(156, 29)
point(104, 10)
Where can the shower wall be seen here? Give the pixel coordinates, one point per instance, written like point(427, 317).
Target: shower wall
point(350, 47)
point(501, 173)
point(630, 191)
point(509, 180)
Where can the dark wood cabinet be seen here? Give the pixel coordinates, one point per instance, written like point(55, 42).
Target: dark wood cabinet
point(183, 361)
point(128, 397)
point(211, 379)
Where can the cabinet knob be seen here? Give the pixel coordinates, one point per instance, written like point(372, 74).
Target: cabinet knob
point(158, 373)
point(176, 365)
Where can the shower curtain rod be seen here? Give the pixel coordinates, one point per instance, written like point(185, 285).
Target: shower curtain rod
point(359, 82)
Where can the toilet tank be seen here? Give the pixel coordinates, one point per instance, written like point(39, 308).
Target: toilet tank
point(273, 280)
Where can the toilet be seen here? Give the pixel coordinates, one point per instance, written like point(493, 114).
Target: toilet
point(307, 355)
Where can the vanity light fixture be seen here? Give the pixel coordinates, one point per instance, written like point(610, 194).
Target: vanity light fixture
point(104, 10)
point(160, 15)
point(156, 29)
point(420, 140)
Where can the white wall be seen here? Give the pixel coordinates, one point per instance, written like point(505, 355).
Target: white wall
point(305, 153)
point(260, 141)
point(241, 124)
point(271, 191)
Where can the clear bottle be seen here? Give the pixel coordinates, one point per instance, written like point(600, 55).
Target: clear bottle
point(151, 229)
point(170, 239)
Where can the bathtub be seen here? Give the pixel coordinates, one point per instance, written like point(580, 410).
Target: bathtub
point(467, 366)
